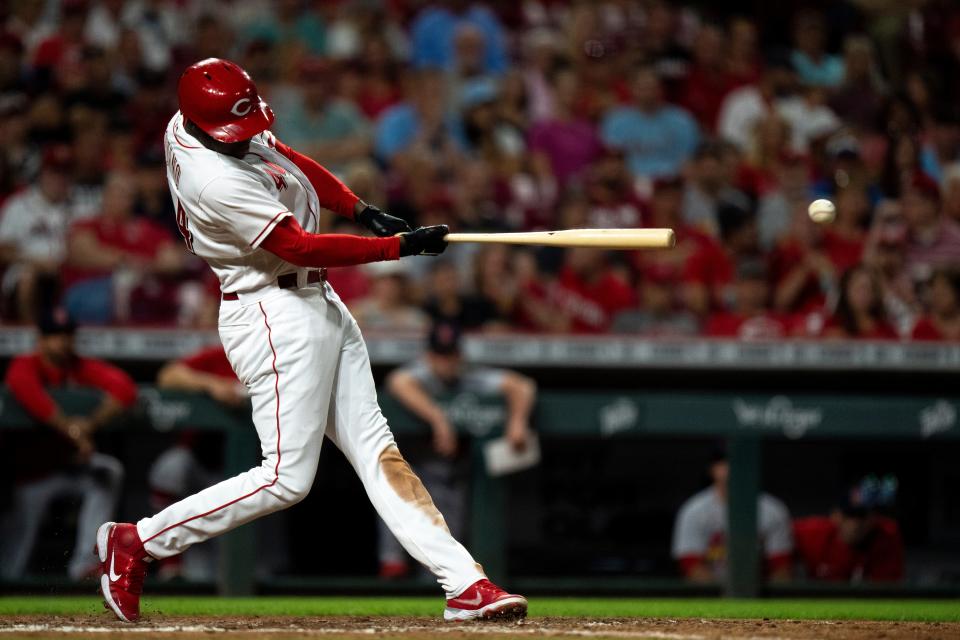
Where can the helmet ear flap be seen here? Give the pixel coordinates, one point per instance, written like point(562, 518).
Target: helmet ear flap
point(220, 97)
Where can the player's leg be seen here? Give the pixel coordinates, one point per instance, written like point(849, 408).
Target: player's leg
point(280, 349)
point(22, 522)
point(284, 350)
point(359, 429)
point(99, 489)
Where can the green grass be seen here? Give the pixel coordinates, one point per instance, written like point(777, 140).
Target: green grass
point(801, 609)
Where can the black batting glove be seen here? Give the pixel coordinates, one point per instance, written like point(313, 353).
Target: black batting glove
point(425, 241)
point(382, 224)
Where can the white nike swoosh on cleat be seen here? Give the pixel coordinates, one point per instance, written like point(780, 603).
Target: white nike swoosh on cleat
point(472, 602)
point(113, 575)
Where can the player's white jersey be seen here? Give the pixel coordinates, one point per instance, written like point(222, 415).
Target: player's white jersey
point(226, 206)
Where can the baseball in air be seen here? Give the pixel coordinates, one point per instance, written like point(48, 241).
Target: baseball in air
point(822, 211)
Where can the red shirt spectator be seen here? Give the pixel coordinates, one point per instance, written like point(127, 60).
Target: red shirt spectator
point(943, 323)
point(137, 239)
point(876, 556)
point(212, 360)
point(29, 376)
point(56, 365)
point(583, 299)
point(860, 311)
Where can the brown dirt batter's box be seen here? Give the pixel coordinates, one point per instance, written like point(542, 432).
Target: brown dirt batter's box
point(103, 627)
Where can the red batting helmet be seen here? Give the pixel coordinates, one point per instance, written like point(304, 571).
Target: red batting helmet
point(220, 98)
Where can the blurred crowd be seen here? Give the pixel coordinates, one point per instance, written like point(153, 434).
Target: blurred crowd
point(719, 120)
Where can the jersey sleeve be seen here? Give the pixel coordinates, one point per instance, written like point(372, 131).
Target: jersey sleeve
point(110, 379)
point(24, 382)
point(243, 207)
point(689, 535)
point(777, 529)
point(484, 380)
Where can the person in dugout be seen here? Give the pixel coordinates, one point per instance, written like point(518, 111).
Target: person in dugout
point(59, 459)
point(858, 541)
point(700, 531)
point(417, 386)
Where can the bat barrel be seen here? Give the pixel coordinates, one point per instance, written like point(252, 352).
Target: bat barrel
point(625, 239)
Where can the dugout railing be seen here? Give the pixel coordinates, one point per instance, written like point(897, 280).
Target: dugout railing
point(743, 419)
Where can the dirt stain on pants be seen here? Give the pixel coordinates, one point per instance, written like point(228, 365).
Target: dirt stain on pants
point(408, 486)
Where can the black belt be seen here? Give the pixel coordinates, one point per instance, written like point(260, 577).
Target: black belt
point(288, 281)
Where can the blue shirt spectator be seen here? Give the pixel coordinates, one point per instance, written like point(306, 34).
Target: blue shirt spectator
point(657, 138)
point(420, 119)
point(433, 33)
point(814, 66)
point(826, 71)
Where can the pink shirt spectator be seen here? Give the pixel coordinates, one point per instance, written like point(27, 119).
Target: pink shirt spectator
point(570, 146)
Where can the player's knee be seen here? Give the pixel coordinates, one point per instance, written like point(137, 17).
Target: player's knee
point(294, 488)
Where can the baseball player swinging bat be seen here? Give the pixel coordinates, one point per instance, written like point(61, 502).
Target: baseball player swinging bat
point(586, 238)
point(248, 204)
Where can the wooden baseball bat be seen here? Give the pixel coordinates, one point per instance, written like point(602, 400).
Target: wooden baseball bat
point(592, 238)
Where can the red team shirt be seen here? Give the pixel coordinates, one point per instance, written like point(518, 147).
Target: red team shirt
point(29, 377)
point(826, 557)
point(212, 360)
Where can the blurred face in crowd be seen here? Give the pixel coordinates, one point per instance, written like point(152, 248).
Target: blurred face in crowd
point(710, 172)
point(858, 58)
point(861, 292)
point(752, 295)
point(666, 204)
point(647, 91)
point(118, 196)
point(919, 210)
point(389, 290)
point(943, 295)
point(852, 529)
point(55, 184)
point(57, 348)
point(657, 296)
point(708, 47)
point(427, 91)
point(743, 37)
point(446, 366)
point(809, 35)
point(585, 263)
point(951, 195)
point(853, 205)
point(565, 88)
point(445, 281)
point(469, 49)
point(719, 473)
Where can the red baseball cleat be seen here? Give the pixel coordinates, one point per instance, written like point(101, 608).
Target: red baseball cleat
point(123, 562)
point(483, 599)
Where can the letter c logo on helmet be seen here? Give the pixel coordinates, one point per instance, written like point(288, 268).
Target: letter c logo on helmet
point(238, 111)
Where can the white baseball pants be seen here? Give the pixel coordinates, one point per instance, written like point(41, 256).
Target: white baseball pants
point(300, 354)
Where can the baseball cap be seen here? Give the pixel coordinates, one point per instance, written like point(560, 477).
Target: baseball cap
point(56, 321)
point(444, 338)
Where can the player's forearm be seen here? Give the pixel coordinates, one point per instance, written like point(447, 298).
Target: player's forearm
point(331, 192)
point(412, 396)
point(520, 392)
point(291, 243)
point(180, 377)
point(108, 409)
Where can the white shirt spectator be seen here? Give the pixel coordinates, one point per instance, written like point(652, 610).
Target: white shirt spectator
point(741, 111)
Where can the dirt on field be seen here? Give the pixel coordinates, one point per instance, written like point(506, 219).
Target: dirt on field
point(103, 627)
